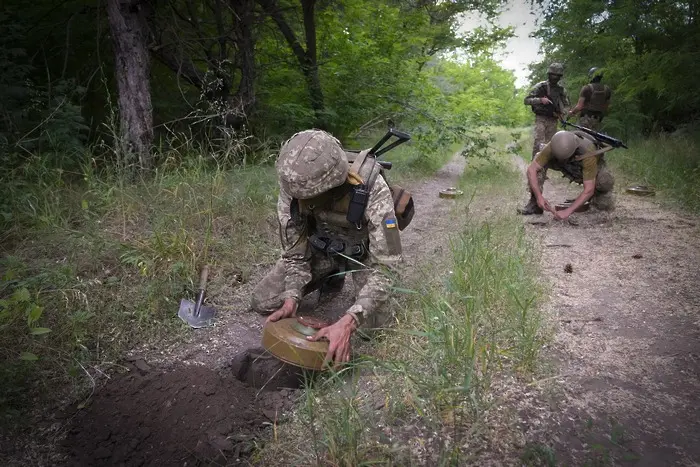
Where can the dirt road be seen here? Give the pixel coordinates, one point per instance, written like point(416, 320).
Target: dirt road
point(627, 342)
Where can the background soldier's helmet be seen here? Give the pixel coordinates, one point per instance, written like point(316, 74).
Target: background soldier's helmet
point(310, 163)
point(595, 72)
point(563, 145)
point(556, 69)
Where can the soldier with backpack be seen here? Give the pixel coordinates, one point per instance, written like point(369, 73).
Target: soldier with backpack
point(549, 102)
point(593, 101)
point(337, 216)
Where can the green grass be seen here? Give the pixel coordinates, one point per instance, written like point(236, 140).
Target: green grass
point(90, 268)
point(94, 262)
point(464, 319)
point(670, 163)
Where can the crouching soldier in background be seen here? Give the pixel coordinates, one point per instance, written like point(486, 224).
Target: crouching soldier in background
point(580, 158)
point(317, 191)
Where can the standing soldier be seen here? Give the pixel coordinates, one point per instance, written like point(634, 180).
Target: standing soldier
point(548, 101)
point(593, 100)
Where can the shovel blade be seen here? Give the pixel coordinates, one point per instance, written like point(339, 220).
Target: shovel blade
point(186, 313)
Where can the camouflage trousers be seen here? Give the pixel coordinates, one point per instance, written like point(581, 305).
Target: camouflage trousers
point(545, 127)
point(325, 270)
point(590, 121)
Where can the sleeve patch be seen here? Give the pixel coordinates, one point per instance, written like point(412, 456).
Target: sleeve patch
point(391, 233)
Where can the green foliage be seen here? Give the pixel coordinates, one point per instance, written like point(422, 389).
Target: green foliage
point(670, 163)
point(92, 268)
point(649, 50)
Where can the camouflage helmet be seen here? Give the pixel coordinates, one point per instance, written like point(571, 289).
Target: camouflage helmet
point(310, 163)
point(556, 69)
point(595, 72)
point(563, 145)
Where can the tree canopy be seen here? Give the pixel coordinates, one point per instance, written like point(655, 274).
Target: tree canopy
point(243, 68)
point(649, 50)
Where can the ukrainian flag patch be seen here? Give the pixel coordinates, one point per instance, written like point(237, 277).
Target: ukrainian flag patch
point(390, 223)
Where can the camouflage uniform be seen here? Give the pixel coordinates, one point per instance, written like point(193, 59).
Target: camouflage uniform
point(546, 115)
point(546, 119)
point(319, 243)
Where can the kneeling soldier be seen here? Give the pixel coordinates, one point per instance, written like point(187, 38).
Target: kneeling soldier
point(317, 189)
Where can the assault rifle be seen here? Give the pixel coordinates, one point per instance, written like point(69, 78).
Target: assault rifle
point(360, 194)
point(602, 137)
point(377, 149)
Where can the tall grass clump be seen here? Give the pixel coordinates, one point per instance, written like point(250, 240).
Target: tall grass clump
point(96, 262)
point(669, 162)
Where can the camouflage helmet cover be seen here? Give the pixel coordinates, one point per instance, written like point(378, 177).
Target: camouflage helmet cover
point(310, 163)
point(564, 144)
point(556, 69)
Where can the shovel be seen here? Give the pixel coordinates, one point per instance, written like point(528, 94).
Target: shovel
point(195, 313)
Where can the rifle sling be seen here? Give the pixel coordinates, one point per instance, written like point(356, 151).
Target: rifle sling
point(597, 152)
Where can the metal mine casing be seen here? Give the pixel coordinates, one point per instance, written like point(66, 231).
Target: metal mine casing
point(451, 192)
point(285, 340)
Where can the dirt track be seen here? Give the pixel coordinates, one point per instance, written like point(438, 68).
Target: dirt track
point(627, 343)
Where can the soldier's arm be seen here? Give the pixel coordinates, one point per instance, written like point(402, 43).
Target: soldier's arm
point(537, 165)
point(533, 97)
point(296, 252)
point(384, 251)
point(583, 95)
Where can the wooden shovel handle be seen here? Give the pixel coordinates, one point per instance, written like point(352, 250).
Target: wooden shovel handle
point(203, 277)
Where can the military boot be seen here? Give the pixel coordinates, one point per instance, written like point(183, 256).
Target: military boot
point(530, 208)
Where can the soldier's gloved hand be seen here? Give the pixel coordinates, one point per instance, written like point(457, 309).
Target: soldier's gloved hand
point(288, 310)
point(338, 336)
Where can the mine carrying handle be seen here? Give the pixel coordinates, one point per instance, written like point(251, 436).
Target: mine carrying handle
point(401, 138)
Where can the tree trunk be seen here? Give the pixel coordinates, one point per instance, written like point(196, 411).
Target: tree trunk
point(311, 62)
point(244, 99)
point(129, 30)
point(306, 58)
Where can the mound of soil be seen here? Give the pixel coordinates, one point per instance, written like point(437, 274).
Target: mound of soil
point(186, 416)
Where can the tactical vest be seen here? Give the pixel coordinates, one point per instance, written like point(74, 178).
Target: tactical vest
point(329, 230)
point(326, 216)
point(597, 101)
point(554, 93)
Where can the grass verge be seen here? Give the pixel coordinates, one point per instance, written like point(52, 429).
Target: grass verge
point(93, 264)
point(669, 162)
point(466, 322)
point(91, 268)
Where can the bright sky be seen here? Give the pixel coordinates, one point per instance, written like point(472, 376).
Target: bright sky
point(521, 50)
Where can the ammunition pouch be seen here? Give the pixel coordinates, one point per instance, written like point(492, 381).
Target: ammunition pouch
point(403, 205)
point(337, 247)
